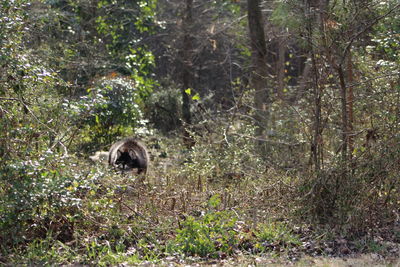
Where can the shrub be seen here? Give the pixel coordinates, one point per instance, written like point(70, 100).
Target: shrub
point(208, 236)
point(40, 196)
point(112, 108)
point(271, 235)
point(224, 154)
point(163, 109)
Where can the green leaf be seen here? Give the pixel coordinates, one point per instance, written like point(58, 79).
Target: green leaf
point(215, 201)
point(196, 97)
point(188, 91)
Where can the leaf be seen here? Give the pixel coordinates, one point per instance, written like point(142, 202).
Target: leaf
point(196, 97)
point(188, 91)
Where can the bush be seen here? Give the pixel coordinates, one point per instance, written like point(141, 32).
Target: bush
point(271, 235)
point(209, 236)
point(113, 108)
point(41, 196)
point(163, 108)
point(223, 154)
point(360, 197)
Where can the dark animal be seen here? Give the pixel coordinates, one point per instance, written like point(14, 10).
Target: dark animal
point(129, 154)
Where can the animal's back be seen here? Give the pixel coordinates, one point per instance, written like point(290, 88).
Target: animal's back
point(112, 153)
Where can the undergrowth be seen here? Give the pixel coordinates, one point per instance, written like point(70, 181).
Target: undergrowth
point(193, 205)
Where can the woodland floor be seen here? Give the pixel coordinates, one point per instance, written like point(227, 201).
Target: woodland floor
point(357, 260)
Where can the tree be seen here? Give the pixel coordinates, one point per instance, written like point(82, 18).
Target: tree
point(187, 68)
point(259, 72)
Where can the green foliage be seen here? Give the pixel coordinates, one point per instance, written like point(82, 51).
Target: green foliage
point(284, 15)
point(271, 234)
point(122, 25)
point(208, 236)
point(45, 204)
point(369, 245)
point(30, 110)
point(55, 209)
point(227, 5)
point(113, 108)
point(39, 195)
point(228, 150)
point(386, 36)
point(140, 63)
point(163, 109)
point(52, 252)
point(104, 255)
point(85, 39)
point(46, 252)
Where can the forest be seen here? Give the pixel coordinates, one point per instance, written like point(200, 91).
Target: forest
point(269, 132)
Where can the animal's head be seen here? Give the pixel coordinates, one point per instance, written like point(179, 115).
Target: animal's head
point(127, 159)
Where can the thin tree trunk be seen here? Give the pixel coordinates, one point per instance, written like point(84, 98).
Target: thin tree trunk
point(350, 99)
point(304, 79)
point(259, 68)
point(281, 66)
point(317, 138)
point(187, 71)
point(316, 143)
point(343, 97)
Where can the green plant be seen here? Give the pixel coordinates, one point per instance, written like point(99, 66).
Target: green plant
point(112, 108)
point(208, 236)
point(46, 252)
point(369, 245)
point(42, 195)
point(269, 235)
point(163, 108)
point(227, 151)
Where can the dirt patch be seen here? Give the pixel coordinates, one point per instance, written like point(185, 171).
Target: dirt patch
point(359, 260)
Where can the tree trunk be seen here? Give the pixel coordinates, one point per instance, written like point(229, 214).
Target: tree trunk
point(350, 99)
point(343, 97)
point(281, 66)
point(259, 71)
point(187, 69)
point(316, 143)
point(317, 136)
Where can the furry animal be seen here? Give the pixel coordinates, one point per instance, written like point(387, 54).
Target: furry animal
point(129, 154)
point(100, 156)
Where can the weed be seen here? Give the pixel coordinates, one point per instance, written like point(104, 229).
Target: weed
point(275, 234)
point(209, 236)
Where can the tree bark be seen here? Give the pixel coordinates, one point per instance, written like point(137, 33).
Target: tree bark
point(316, 146)
point(316, 143)
point(259, 70)
point(187, 69)
point(350, 99)
point(343, 98)
point(281, 66)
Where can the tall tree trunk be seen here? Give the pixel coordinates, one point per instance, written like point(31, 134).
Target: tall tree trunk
point(258, 69)
point(281, 66)
point(343, 98)
point(316, 143)
point(316, 146)
point(187, 69)
point(350, 99)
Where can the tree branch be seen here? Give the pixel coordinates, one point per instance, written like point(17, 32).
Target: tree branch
point(347, 48)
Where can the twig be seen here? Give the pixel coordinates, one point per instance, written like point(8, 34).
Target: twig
point(9, 99)
point(347, 48)
point(41, 123)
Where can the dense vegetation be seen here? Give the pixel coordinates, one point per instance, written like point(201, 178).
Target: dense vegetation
point(273, 129)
